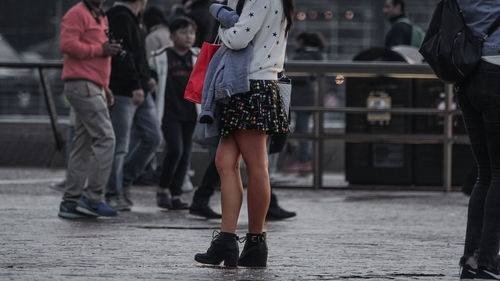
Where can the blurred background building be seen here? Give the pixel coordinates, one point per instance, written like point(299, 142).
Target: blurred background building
point(32, 27)
point(29, 30)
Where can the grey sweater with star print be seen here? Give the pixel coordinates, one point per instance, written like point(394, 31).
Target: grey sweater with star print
point(263, 23)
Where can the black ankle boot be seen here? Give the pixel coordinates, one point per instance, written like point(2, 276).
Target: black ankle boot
point(224, 247)
point(254, 253)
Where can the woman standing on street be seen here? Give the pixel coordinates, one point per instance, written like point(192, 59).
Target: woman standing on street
point(479, 100)
point(245, 121)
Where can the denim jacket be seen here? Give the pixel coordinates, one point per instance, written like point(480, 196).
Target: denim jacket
point(479, 16)
point(227, 73)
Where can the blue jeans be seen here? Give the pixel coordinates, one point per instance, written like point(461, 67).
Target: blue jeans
point(129, 161)
point(479, 100)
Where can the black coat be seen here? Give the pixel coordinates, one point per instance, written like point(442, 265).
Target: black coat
point(131, 71)
point(400, 33)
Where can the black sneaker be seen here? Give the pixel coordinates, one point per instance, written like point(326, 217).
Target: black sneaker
point(486, 275)
point(278, 213)
point(467, 273)
point(203, 210)
point(178, 204)
point(163, 200)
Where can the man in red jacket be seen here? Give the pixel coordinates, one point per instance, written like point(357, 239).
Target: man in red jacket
point(86, 73)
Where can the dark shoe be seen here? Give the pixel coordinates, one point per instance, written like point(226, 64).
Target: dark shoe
point(275, 212)
point(254, 252)
point(278, 213)
point(178, 204)
point(95, 209)
point(224, 247)
point(67, 210)
point(163, 200)
point(127, 196)
point(467, 273)
point(117, 203)
point(468, 267)
point(203, 210)
point(486, 274)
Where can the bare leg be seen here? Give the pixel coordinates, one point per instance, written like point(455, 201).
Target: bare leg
point(227, 161)
point(252, 146)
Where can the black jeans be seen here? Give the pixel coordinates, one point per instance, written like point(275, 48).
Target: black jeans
point(210, 180)
point(479, 100)
point(178, 135)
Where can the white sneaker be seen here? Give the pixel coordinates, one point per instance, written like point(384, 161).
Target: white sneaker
point(187, 186)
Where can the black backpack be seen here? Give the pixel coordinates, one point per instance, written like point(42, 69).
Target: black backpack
point(450, 47)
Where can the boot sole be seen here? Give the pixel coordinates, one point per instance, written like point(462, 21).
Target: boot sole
point(69, 215)
point(231, 261)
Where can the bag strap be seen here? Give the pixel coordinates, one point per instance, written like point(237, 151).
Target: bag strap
point(217, 38)
point(492, 28)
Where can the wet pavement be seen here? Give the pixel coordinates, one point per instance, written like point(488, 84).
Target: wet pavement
point(337, 235)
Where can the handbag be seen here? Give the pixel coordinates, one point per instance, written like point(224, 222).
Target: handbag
point(450, 47)
point(194, 88)
point(285, 86)
point(278, 142)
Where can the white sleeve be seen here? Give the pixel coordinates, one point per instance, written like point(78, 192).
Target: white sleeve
point(251, 20)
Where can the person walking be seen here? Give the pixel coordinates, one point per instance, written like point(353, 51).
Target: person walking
point(479, 99)
point(245, 121)
point(310, 46)
point(86, 71)
point(197, 10)
point(134, 108)
point(403, 31)
point(158, 34)
point(179, 115)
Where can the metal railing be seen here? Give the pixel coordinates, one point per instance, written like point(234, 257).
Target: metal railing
point(378, 69)
point(323, 70)
point(47, 91)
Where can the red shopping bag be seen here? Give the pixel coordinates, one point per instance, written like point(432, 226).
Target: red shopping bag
point(194, 88)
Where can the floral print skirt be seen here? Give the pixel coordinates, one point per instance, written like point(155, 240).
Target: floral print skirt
point(259, 109)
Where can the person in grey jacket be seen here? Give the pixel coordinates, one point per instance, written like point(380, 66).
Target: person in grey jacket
point(479, 99)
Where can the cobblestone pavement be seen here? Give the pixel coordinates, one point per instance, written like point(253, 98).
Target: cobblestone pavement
point(337, 235)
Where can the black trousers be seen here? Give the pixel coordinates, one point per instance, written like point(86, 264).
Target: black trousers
point(479, 100)
point(178, 136)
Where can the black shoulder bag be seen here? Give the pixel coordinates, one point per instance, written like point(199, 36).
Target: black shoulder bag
point(449, 46)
